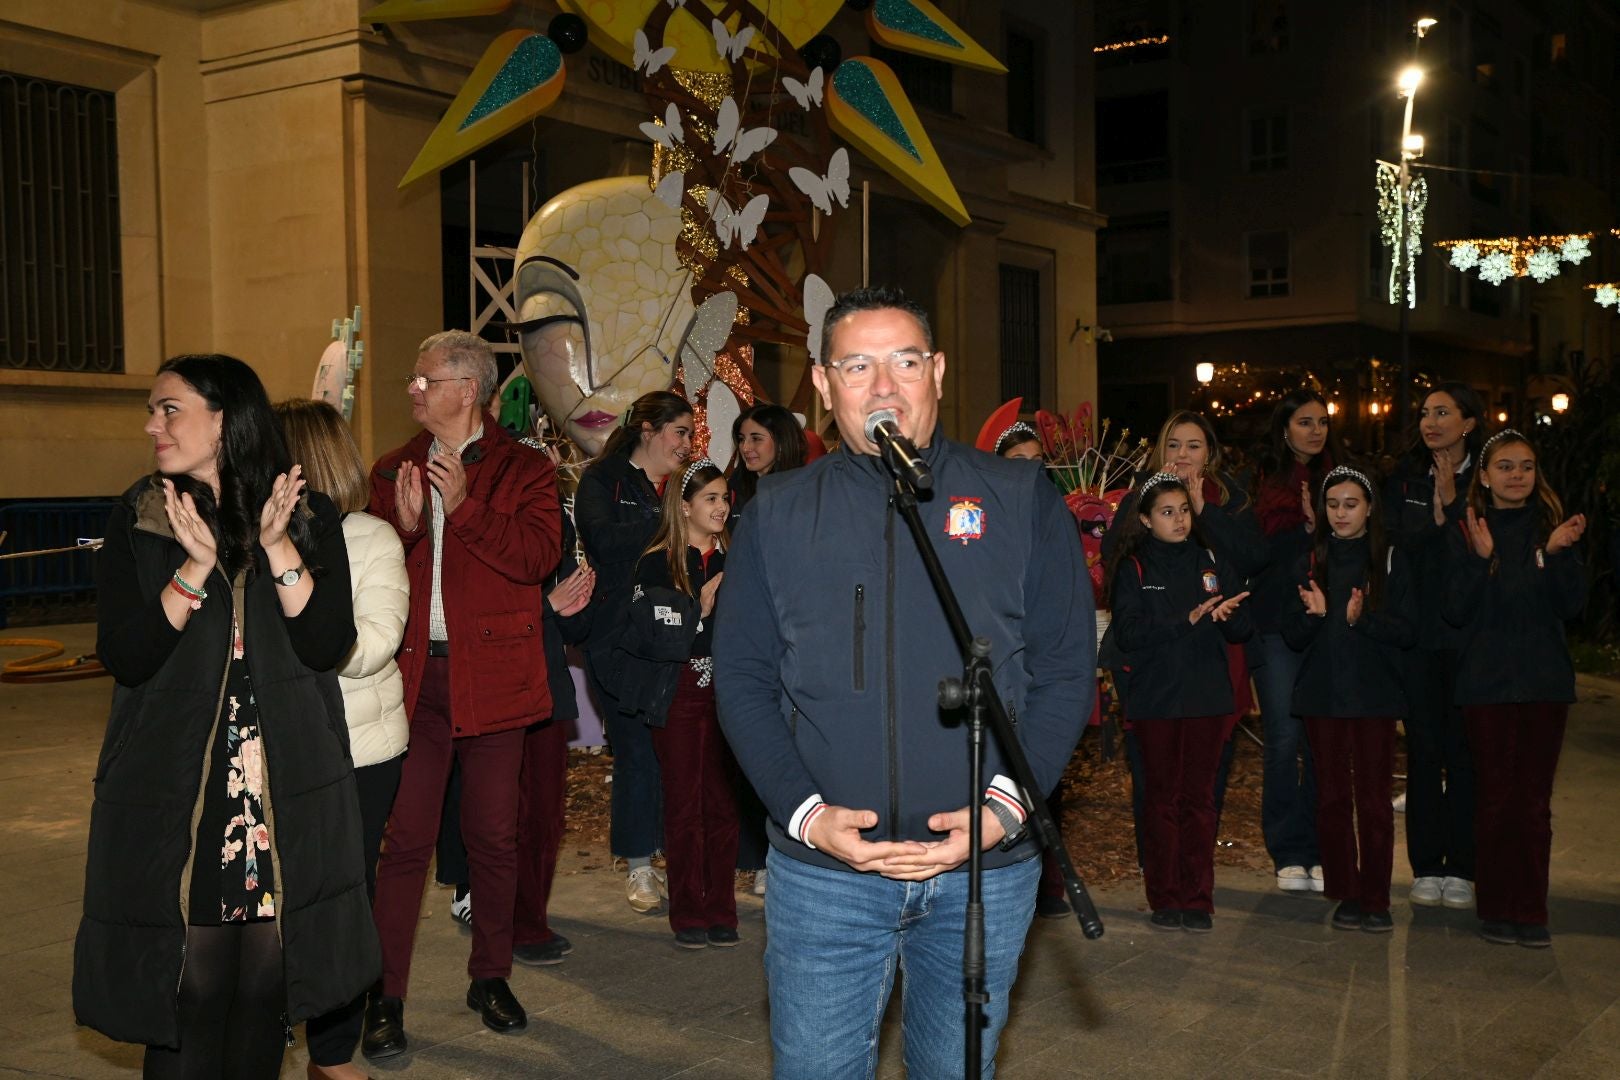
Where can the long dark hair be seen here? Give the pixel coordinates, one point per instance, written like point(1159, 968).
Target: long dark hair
point(251, 454)
point(670, 539)
point(1470, 405)
point(791, 448)
point(1133, 534)
point(1377, 545)
point(1277, 456)
point(659, 408)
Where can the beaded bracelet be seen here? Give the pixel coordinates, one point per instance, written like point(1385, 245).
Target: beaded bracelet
point(192, 594)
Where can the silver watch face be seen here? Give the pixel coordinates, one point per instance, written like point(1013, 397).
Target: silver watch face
point(289, 577)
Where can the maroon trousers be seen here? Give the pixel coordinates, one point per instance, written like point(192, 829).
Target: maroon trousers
point(700, 809)
point(489, 813)
point(1179, 761)
point(1515, 756)
point(1355, 761)
point(542, 804)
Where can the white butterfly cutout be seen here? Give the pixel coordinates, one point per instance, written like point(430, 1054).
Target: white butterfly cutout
point(806, 93)
point(669, 132)
point(730, 46)
point(649, 59)
point(818, 300)
point(744, 142)
point(671, 189)
point(742, 224)
point(822, 190)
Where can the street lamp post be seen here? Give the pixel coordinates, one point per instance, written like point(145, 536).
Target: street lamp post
point(1411, 149)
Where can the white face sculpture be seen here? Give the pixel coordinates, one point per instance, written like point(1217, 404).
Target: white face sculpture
point(597, 267)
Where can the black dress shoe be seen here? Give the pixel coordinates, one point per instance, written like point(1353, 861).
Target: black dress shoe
point(384, 1032)
point(492, 1000)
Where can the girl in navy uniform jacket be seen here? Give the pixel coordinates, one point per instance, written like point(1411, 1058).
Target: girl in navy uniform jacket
point(1353, 625)
point(1516, 578)
point(675, 584)
point(1171, 623)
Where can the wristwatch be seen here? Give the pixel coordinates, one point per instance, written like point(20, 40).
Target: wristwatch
point(289, 577)
point(1010, 825)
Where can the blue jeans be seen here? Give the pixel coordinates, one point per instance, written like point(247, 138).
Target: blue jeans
point(1288, 794)
point(832, 941)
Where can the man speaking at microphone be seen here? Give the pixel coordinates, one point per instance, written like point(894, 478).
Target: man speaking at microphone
point(827, 663)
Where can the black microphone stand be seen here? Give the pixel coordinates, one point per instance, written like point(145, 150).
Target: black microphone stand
point(976, 690)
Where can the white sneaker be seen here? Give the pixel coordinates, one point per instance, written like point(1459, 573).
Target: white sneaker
point(1456, 892)
point(643, 889)
point(461, 910)
point(759, 882)
point(1399, 803)
point(1294, 879)
point(1427, 891)
point(1317, 884)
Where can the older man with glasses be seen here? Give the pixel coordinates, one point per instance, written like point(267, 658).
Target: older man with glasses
point(828, 654)
point(478, 515)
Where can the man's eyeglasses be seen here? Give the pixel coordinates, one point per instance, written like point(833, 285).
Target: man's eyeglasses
point(419, 383)
point(906, 365)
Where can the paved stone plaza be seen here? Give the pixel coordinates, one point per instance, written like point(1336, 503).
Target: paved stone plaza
point(1273, 991)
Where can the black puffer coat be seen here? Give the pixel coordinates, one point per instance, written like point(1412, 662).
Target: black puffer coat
point(130, 950)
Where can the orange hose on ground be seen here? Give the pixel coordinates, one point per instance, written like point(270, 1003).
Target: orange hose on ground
point(43, 667)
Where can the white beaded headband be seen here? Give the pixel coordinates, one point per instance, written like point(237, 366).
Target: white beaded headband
point(1016, 427)
point(1155, 480)
point(692, 469)
point(1345, 472)
point(1505, 433)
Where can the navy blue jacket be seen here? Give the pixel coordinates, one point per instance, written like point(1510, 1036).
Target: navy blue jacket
point(830, 652)
point(1172, 668)
point(1511, 609)
point(1409, 524)
point(1354, 670)
point(616, 511)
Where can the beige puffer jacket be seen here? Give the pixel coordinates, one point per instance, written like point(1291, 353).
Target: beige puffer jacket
point(373, 692)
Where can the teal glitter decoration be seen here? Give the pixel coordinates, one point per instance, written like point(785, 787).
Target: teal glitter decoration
point(857, 86)
point(533, 63)
point(908, 18)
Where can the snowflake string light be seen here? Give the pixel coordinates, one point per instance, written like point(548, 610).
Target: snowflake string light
point(1495, 268)
point(1465, 256)
point(1575, 249)
point(1608, 296)
point(1542, 264)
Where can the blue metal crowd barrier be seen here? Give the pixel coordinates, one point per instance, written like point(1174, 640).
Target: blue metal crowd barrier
point(37, 526)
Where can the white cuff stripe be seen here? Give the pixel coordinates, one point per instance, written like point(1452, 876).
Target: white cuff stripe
point(1008, 792)
point(800, 819)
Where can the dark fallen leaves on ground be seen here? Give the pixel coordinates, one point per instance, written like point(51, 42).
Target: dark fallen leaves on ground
point(1097, 827)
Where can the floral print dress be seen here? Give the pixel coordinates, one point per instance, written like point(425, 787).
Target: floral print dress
point(232, 879)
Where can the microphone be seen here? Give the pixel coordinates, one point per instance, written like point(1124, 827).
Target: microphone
point(883, 430)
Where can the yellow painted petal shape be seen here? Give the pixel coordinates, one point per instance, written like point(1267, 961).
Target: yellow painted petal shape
point(866, 105)
point(613, 25)
point(483, 112)
point(905, 25)
point(413, 10)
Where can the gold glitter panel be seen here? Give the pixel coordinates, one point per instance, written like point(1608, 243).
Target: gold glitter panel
point(709, 87)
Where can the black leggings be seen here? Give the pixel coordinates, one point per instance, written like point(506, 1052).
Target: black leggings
point(232, 1002)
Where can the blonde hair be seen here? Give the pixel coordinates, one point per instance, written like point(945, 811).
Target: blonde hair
point(320, 441)
point(671, 538)
point(1212, 468)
